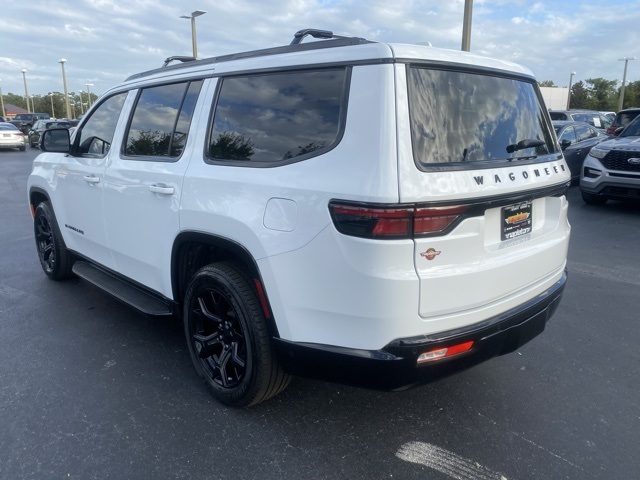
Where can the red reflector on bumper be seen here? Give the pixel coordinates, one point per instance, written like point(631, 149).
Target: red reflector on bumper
point(440, 353)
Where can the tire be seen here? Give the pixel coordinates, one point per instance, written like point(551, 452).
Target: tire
point(54, 257)
point(22, 149)
point(591, 199)
point(228, 338)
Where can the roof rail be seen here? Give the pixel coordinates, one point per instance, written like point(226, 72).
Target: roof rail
point(178, 59)
point(315, 33)
point(333, 40)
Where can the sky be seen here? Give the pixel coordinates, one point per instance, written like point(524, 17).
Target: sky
point(105, 41)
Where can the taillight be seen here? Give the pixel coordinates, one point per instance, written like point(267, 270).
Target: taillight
point(435, 219)
point(384, 222)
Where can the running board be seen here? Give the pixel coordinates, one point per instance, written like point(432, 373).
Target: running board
point(127, 293)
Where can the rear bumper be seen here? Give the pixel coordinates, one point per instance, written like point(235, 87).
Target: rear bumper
point(395, 367)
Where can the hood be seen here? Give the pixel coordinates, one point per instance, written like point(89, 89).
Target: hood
point(621, 143)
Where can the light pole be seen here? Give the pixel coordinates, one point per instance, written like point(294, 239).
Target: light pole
point(81, 109)
point(64, 84)
point(53, 112)
point(4, 113)
point(26, 92)
point(624, 79)
point(89, 92)
point(193, 16)
point(466, 26)
point(569, 94)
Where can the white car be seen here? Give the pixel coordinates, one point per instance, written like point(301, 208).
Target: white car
point(11, 137)
point(378, 214)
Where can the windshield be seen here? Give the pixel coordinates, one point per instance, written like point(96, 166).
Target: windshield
point(633, 129)
point(21, 116)
point(461, 117)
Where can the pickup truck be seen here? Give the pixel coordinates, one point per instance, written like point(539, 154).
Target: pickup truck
point(24, 121)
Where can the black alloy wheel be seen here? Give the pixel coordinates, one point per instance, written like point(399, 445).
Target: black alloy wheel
point(54, 257)
point(228, 338)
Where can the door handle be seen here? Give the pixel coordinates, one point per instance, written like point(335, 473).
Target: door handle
point(162, 189)
point(91, 179)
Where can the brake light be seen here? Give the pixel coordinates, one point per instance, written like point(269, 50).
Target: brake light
point(445, 352)
point(386, 222)
point(435, 219)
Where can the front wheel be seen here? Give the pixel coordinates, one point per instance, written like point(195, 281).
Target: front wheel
point(54, 257)
point(228, 338)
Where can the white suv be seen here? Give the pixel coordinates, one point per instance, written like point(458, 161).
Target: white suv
point(371, 213)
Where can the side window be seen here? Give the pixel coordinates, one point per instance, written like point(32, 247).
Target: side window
point(279, 117)
point(583, 132)
point(568, 134)
point(96, 135)
point(161, 120)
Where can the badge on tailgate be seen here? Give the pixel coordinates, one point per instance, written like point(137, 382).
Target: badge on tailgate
point(516, 220)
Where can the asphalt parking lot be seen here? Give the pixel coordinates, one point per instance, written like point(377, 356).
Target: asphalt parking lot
point(90, 389)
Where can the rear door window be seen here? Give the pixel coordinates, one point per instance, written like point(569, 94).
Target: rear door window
point(161, 120)
point(462, 119)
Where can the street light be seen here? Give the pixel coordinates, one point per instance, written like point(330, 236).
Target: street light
point(53, 112)
point(466, 26)
point(89, 92)
point(64, 84)
point(193, 16)
point(26, 92)
point(569, 95)
point(624, 79)
point(81, 109)
point(4, 114)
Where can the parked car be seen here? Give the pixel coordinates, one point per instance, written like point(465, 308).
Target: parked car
point(623, 118)
point(40, 126)
point(384, 246)
point(576, 139)
point(24, 121)
point(11, 137)
point(612, 168)
point(593, 118)
point(610, 115)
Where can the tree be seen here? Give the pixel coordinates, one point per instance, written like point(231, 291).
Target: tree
point(579, 95)
point(631, 95)
point(602, 94)
point(547, 83)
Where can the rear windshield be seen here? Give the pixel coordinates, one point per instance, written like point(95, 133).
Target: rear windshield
point(468, 119)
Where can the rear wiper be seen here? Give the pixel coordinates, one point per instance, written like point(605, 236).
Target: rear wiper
point(526, 143)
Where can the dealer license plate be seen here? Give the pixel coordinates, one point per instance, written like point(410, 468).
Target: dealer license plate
point(517, 220)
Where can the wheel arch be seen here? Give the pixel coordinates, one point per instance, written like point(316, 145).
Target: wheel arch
point(193, 250)
point(37, 195)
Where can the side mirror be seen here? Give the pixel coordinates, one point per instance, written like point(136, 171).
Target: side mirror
point(618, 131)
point(55, 140)
point(565, 143)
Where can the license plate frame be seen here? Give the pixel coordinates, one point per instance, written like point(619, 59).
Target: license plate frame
point(516, 220)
